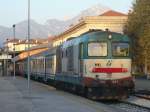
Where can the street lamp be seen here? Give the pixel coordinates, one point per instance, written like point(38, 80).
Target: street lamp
point(28, 68)
point(14, 32)
point(7, 48)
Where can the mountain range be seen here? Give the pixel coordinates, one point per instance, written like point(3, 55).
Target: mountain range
point(51, 26)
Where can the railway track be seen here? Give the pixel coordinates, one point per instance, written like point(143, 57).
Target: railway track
point(129, 107)
point(132, 104)
point(145, 94)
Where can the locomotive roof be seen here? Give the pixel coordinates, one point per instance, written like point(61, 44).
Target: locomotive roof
point(97, 36)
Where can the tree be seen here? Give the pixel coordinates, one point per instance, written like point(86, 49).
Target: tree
point(138, 28)
point(145, 45)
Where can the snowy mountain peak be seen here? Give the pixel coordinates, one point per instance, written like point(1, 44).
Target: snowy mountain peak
point(52, 26)
point(95, 10)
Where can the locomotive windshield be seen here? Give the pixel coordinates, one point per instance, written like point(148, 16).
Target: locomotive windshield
point(97, 49)
point(120, 49)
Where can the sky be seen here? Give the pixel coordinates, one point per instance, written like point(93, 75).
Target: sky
point(14, 11)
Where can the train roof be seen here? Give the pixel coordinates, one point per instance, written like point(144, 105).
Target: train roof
point(25, 54)
point(50, 51)
point(35, 53)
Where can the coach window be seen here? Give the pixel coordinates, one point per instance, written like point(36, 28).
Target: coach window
point(66, 53)
point(62, 53)
point(81, 50)
point(120, 49)
point(97, 49)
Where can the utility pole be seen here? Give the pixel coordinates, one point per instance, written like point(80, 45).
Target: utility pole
point(28, 68)
point(14, 31)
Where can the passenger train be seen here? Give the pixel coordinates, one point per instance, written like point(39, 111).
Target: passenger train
point(96, 64)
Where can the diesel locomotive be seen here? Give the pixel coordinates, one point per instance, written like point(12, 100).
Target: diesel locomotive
point(96, 64)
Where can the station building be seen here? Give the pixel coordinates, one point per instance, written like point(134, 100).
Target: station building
point(112, 20)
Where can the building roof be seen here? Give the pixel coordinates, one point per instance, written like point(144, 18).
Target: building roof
point(31, 41)
point(12, 41)
point(113, 13)
point(70, 29)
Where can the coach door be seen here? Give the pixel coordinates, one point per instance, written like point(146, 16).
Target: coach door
point(70, 61)
point(81, 52)
point(59, 60)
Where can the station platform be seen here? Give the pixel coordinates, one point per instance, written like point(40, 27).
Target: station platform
point(15, 97)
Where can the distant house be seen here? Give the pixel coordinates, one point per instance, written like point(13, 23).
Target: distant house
point(112, 20)
point(18, 45)
point(10, 43)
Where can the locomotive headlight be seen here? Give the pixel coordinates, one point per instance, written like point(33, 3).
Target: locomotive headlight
point(110, 36)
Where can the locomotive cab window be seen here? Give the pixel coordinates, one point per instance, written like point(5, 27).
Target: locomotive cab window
point(97, 49)
point(120, 49)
